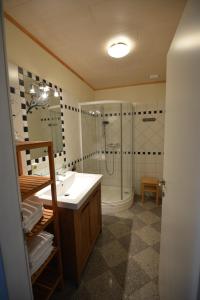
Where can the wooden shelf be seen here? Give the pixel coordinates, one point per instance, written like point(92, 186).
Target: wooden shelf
point(150, 189)
point(41, 293)
point(41, 269)
point(21, 146)
point(29, 185)
point(46, 219)
point(46, 283)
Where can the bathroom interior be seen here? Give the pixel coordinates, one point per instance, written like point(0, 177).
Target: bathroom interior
point(94, 122)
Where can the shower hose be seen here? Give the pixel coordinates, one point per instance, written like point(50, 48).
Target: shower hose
point(106, 162)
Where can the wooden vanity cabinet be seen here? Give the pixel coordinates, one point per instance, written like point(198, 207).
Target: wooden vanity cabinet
point(79, 230)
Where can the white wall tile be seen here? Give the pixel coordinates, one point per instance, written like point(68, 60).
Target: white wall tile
point(148, 137)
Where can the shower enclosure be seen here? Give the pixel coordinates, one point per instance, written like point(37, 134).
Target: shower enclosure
point(107, 145)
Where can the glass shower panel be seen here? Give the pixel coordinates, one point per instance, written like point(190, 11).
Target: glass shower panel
point(127, 148)
point(111, 143)
point(89, 118)
point(99, 136)
point(110, 148)
point(107, 150)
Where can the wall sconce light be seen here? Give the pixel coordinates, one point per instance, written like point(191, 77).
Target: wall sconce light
point(32, 89)
point(56, 94)
point(39, 94)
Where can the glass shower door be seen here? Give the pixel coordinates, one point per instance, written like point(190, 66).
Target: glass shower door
point(127, 150)
point(110, 144)
point(89, 122)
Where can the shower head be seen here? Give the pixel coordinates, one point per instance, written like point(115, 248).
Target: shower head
point(105, 122)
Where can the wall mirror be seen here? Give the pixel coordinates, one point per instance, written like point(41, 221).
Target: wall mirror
point(43, 115)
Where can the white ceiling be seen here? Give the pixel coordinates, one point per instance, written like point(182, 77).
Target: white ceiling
point(78, 31)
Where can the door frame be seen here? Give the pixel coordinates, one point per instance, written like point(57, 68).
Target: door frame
point(13, 249)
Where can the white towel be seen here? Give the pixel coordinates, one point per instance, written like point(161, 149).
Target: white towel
point(33, 259)
point(39, 248)
point(38, 242)
point(34, 200)
point(32, 222)
point(42, 259)
point(32, 211)
point(28, 215)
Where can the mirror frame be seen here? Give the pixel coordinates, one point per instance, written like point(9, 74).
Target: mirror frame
point(21, 73)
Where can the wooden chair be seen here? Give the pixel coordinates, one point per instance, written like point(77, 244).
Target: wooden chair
point(150, 184)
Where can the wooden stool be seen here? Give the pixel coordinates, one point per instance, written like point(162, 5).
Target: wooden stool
point(150, 184)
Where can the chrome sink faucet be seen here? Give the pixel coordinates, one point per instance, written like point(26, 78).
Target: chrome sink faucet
point(59, 177)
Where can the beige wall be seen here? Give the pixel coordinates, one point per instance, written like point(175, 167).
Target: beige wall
point(24, 52)
point(21, 50)
point(148, 93)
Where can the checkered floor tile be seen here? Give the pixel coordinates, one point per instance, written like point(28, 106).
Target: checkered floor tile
point(124, 263)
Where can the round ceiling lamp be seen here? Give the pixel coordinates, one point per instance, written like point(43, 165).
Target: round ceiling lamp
point(118, 50)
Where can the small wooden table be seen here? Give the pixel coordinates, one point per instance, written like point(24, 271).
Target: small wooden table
point(150, 184)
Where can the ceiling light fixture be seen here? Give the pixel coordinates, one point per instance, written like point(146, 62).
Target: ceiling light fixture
point(118, 50)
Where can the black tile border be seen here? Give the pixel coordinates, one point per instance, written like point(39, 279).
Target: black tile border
point(148, 153)
point(149, 112)
point(128, 152)
point(12, 90)
point(89, 155)
point(115, 114)
point(68, 164)
point(85, 157)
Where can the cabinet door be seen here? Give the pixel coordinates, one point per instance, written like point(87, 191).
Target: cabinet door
point(95, 215)
point(84, 234)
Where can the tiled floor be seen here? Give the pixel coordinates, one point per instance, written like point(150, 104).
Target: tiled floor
point(124, 263)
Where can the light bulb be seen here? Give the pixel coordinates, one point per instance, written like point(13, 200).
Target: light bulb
point(44, 95)
point(56, 94)
point(32, 89)
point(118, 50)
point(41, 87)
point(46, 88)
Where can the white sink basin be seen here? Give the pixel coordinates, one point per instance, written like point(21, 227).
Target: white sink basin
point(72, 189)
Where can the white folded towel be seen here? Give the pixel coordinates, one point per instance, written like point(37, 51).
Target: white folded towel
point(39, 248)
point(32, 222)
point(34, 200)
point(32, 211)
point(39, 242)
point(33, 259)
point(41, 260)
